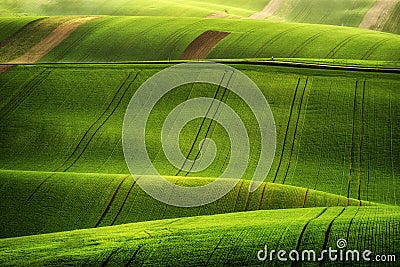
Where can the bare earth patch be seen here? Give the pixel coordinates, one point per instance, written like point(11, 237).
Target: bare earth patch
point(200, 47)
point(4, 68)
point(269, 10)
point(51, 41)
point(378, 14)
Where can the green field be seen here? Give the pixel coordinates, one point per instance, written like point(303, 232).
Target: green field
point(68, 198)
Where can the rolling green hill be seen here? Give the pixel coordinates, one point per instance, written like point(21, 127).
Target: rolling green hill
point(333, 12)
point(158, 38)
point(68, 201)
point(163, 38)
point(217, 240)
point(177, 8)
point(336, 131)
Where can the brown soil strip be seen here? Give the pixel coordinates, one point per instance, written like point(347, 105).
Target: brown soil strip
point(4, 68)
point(200, 47)
point(269, 10)
point(51, 41)
point(378, 14)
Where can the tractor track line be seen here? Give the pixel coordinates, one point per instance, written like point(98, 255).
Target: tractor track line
point(124, 202)
point(373, 49)
point(305, 198)
point(201, 125)
point(238, 194)
point(246, 204)
point(23, 94)
point(305, 43)
point(295, 131)
point(211, 123)
point(352, 144)
point(275, 38)
point(9, 39)
point(327, 233)
point(215, 249)
point(261, 197)
point(304, 230)
point(348, 231)
point(334, 50)
point(107, 260)
point(361, 140)
point(287, 129)
point(37, 188)
point(110, 202)
point(98, 120)
point(129, 263)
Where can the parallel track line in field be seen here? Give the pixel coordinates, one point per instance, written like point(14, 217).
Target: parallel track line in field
point(361, 142)
point(201, 125)
point(352, 144)
point(294, 263)
point(287, 130)
point(304, 44)
point(76, 154)
point(226, 91)
point(132, 258)
point(327, 233)
point(261, 196)
point(295, 131)
point(333, 51)
point(215, 249)
point(22, 95)
point(110, 202)
point(124, 201)
point(274, 39)
point(373, 49)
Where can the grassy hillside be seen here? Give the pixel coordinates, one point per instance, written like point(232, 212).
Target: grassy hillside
point(9, 26)
point(158, 38)
point(213, 240)
point(68, 201)
point(177, 8)
point(336, 131)
point(333, 12)
point(393, 23)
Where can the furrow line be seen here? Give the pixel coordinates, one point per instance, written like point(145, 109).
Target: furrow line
point(201, 125)
point(287, 130)
point(99, 120)
point(352, 144)
point(361, 140)
point(226, 91)
point(295, 131)
point(124, 202)
point(304, 230)
point(327, 233)
point(110, 202)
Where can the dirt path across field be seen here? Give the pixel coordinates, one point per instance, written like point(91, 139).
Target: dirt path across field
point(51, 41)
point(200, 47)
point(378, 14)
point(269, 10)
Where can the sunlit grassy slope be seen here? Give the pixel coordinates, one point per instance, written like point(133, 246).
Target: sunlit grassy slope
point(177, 8)
point(160, 38)
point(68, 201)
point(337, 131)
point(219, 240)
